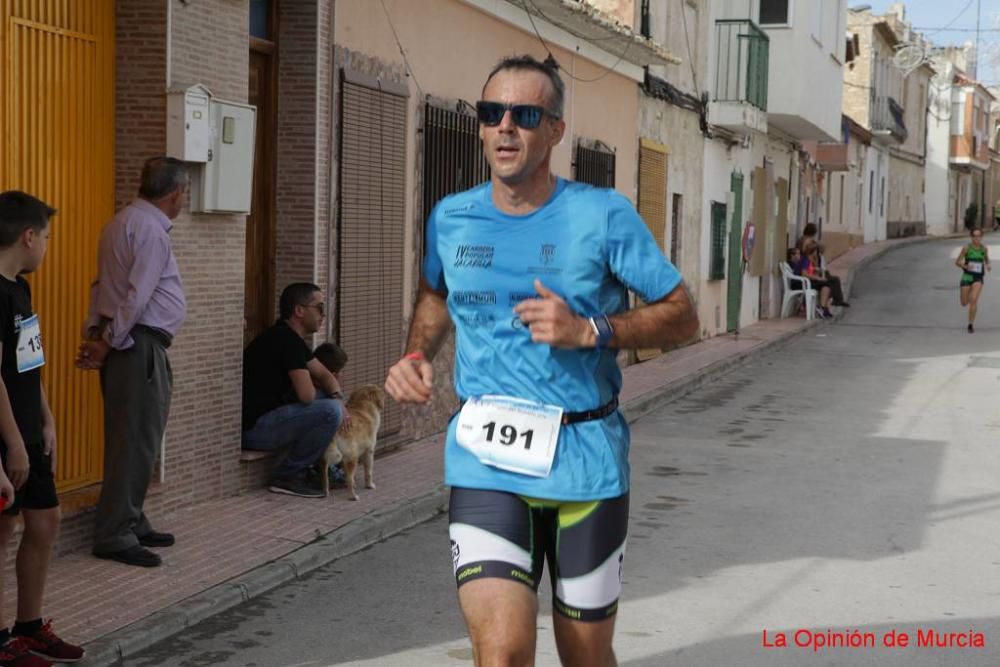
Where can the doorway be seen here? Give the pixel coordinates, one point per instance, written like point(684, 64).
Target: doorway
point(259, 311)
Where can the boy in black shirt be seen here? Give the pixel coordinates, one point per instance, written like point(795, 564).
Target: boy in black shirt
point(27, 435)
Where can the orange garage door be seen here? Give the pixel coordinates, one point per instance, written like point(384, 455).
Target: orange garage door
point(57, 142)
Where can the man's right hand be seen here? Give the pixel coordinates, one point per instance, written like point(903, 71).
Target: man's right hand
point(411, 380)
point(92, 354)
point(17, 465)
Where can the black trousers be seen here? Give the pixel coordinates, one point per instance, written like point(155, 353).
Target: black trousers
point(137, 384)
point(833, 282)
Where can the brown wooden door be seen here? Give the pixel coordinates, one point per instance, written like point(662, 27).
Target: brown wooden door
point(259, 310)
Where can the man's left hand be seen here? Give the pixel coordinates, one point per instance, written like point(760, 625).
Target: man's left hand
point(551, 321)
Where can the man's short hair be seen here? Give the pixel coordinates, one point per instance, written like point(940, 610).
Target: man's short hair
point(548, 68)
point(162, 176)
point(20, 211)
point(332, 356)
point(296, 294)
point(809, 229)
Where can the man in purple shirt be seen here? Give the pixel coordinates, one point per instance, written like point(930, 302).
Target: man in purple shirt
point(137, 306)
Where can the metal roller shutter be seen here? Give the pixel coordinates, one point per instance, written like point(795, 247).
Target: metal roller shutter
point(371, 233)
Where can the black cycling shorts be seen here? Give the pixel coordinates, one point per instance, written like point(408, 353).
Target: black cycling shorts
point(970, 278)
point(39, 492)
point(503, 535)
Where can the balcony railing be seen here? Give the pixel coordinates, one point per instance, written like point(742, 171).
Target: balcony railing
point(887, 118)
point(741, 61)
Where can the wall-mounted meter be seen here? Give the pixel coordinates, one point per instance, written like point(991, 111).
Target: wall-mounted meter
point(219, 136)
point(188, 123)
point(228, 174)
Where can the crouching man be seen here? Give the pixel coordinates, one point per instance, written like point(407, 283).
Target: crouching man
point(290, 399)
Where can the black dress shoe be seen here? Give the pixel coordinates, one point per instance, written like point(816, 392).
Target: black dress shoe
point(134, 555)
point(155, 539)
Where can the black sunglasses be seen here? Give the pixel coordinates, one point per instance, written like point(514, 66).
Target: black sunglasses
point(527, 116)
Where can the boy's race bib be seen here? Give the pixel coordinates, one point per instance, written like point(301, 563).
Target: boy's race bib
point(510, 433)
point(30, 354)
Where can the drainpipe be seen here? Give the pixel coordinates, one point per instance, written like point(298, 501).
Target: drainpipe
point(331, 237)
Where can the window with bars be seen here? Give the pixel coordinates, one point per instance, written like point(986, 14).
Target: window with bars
point(717, 267)
point(453, 154)
point(595, 166)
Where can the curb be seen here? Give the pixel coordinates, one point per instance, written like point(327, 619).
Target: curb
point(112, 649)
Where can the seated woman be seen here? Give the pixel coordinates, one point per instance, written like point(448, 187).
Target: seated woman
point(813, 249)
point(802, 266)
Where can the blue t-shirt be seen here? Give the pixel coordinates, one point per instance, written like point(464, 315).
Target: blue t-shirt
point(585, 244)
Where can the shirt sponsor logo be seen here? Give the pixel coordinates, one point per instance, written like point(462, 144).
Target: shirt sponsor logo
point(463, 298)
point(547, 254)
point(517, 297)
point(474, 256)
point(478, 320)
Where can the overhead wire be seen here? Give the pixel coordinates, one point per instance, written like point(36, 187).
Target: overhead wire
point(402, 51)
point(552, 56)
point(951, 22)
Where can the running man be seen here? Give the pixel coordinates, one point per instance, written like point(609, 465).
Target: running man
point(974, 260)
point(533, 270)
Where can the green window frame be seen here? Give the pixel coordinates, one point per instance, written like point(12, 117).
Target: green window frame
point(717, 266)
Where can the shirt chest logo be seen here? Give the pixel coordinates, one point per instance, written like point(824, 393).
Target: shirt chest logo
point(474, 256)
point(546, 258)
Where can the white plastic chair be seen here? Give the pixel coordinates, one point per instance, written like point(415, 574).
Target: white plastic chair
point(788, 278)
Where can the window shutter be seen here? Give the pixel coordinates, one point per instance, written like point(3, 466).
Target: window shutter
point(371, 232)
point(653, 188)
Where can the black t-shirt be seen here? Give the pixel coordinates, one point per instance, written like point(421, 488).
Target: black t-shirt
point(266, 363)
point(23, 389)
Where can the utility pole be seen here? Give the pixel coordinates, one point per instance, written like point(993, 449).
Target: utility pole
point(975, 76)
point(975, 72)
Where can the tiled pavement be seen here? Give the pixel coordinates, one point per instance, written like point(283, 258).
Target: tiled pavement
point(221, 540)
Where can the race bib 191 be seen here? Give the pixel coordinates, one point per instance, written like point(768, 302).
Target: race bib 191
point(974, 267)
point(30, 354)
point(510, 433)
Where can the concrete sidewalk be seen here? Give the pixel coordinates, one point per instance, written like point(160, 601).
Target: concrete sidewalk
point(232, 550)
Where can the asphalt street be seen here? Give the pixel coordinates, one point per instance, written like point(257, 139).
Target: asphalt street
point(845, 488)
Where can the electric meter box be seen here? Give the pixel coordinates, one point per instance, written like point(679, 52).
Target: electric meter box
point(218, 138)
point(226, 180)
point(188, 129)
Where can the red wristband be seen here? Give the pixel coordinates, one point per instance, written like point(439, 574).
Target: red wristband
point(415, 356)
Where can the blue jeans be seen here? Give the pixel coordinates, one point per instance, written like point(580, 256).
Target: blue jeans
point(306, 430)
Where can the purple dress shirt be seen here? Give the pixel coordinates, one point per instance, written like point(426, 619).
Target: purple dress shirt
point(137, 277)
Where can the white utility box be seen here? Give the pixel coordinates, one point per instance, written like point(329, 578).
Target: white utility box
point(188, 131)
point(226, 182)
point(219, 137)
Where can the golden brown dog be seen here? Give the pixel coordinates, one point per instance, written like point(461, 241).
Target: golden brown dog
point(357, 443)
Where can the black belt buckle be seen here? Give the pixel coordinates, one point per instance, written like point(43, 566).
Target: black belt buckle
point(161, 336)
